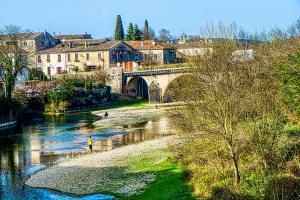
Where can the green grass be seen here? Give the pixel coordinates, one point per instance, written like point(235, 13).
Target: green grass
point(170, 182)
point(134, 103)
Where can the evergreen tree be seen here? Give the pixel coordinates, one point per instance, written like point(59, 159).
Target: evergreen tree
point(130, 32)
point(137, 33)
point(146, 32)
point(119, 31)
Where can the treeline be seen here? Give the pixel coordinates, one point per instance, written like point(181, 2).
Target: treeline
point(240, 123)
point(134, 33)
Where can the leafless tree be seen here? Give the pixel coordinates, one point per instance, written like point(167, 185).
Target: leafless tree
point(14, 54)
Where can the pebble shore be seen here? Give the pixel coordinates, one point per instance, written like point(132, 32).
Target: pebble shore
point(102, 172)
point(127, 116)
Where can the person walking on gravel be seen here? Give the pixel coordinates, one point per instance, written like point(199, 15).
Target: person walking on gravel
point(90, 143)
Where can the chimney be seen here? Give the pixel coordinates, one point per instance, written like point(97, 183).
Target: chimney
point(70, 44)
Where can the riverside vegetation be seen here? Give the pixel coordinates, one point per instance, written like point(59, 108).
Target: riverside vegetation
point(240, 123)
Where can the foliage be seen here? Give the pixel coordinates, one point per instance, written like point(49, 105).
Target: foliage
point(137, 33)
point(119, 31)
point(13, 59)
point(233, 118)
point(164, 35)
point(77, 91)
point(130, 32)
point(283, 187)
point(146, 32)
point(56, 107)
point(35, 74)
point(290, 73)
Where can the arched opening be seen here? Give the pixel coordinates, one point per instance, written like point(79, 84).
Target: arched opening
point(154, 92)
point(137, 86)
point(172, 92)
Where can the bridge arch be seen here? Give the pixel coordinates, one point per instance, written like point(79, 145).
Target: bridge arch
point(169, 93)
point(137, 86)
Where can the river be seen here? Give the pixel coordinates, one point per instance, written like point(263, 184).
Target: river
point(43, 142)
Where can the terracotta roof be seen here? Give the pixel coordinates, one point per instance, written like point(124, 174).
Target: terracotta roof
point(27, 36)
point(73, 36)
point(84, 41)
point(106, 45)
point(148, 44)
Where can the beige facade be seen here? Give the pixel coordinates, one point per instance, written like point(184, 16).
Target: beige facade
point(112, 56)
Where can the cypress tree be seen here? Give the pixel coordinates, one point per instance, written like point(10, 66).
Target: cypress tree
point(146, 33)
point(137, 33)
point(119, 31)
point(130, 33)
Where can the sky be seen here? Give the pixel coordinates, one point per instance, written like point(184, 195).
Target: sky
point(98, 16)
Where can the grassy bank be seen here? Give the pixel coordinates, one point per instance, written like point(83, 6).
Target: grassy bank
point(133, 103)
point(170, 180)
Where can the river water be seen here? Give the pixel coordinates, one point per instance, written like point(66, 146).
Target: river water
point(43, 142)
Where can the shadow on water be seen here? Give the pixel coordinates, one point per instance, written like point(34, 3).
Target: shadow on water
point(46, 141)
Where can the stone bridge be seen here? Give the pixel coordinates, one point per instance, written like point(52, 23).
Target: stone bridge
point(152, 84)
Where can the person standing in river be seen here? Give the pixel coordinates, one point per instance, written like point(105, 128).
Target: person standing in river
point(90, 143)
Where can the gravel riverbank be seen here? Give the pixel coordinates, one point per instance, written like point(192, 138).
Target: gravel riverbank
point(127, 116)
point(105, 172)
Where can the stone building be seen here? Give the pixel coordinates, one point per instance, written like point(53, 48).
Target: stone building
point(150, 52)
point(31, 42)
point(87, 55)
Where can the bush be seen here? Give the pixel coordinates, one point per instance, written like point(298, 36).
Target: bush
point(291, 147)
point(284, 188)
point(35, 74)
point(224, 193)
point(56, 107)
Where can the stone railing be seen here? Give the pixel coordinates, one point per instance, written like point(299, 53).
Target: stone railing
point(158, 71)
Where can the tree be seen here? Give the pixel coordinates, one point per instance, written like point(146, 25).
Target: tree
point(164, 35)
point(130, 32)
point(146, 32)
point(152, 33)
point(137, 33)
point(232, 114)
point(13, 57)
point(119, 31)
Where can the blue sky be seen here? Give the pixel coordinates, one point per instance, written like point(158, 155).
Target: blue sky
point(98, 16)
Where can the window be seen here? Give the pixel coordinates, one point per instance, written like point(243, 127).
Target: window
point(69, 57)
point(48, 59)
point(58, 70)
point(76, 57)
point(39, 59)
point(59, 58)
point(87, 57)
point(99, 56)
point(155, 57)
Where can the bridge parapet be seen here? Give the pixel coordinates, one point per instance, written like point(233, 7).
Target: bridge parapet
point(157, 71)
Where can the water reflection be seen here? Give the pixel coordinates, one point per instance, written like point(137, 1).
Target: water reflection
point(44, 142)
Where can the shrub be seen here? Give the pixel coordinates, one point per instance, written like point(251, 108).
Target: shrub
point(35, 74)
point(224, 193)
point(284, 188)
point(56, 107)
